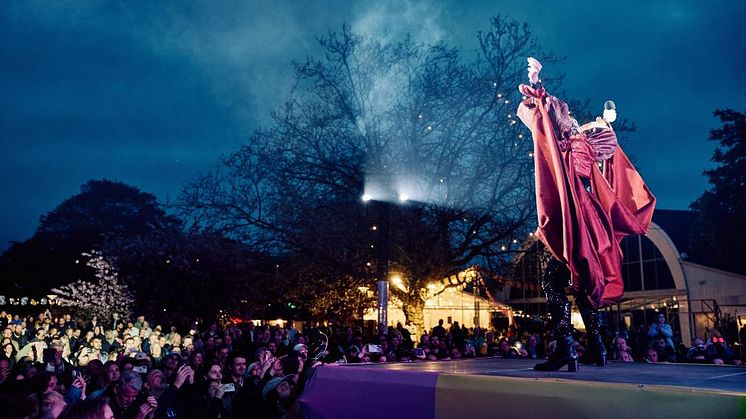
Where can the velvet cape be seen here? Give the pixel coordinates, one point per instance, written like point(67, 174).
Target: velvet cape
point(584, 229)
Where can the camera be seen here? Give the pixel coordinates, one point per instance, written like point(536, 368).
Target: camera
point(140, 370)
point(229, 387)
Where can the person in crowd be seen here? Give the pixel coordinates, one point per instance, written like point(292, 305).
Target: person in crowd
point(278, 396)
point(697, 353)
point(660, 327)
point(532, 347)
point(170, 365)
point(109, 342)
point(491, 347)
point(469, 351)
point(439, 330)
point(665, 352)
point(719, 352)
point(621, 351)
point(89, 409)
point(165, 394)
point(93, 323)
point(5, 369)
point(97, 351)
point(212, 391)
point(95, 376)
point(111, 373)
point(196, 360)
point(49, 404)
point(124, 394)
point(98, 331)
point(237, 398)
point(436, 352)
point(651, 356)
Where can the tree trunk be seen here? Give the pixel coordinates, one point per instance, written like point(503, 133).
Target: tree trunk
point(414, 311)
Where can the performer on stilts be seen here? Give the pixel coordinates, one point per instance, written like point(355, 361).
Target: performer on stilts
point(588, 197)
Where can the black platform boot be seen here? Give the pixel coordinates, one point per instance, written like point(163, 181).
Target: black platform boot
point(563, 355)
point(596, 347)
point(554, 284)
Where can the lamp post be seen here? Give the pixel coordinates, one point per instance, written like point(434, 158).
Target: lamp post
point(382, 256)
point(382, 267)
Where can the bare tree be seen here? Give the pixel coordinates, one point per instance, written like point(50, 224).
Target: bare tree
point(384, 119)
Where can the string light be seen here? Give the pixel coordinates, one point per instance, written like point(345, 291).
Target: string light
point(499, 95)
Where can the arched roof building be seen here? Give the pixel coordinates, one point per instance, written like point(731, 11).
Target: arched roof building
point(658, 276)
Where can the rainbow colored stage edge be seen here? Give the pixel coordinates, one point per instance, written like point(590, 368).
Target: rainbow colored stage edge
point(491, 388)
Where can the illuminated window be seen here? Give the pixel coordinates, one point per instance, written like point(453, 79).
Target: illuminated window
point(643, 267)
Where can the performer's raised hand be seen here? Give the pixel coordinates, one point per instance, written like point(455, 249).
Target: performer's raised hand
point(534, 67)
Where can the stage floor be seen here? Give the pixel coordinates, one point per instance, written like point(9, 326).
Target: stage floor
point(704, 376)
point(493, 387)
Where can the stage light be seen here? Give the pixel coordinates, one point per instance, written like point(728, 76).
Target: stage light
point(403, 197)
point(367, 197)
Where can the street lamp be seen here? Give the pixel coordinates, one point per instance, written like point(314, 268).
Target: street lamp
point(382, 250)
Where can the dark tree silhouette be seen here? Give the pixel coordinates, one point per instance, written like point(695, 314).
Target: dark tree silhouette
point(718, 237)
point(385, 119)
point(102, 209)
point(179, 277)
point(105, 207)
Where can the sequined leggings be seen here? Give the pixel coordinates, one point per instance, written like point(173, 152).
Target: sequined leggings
point(554, 282)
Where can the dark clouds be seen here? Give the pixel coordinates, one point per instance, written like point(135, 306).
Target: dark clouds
point(151, 93)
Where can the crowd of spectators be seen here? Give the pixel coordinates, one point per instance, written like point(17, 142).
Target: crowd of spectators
point(656, 343)
point(81, 368)
point(60, 367)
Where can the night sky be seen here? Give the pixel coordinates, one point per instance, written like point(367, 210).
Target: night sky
point(153, 93)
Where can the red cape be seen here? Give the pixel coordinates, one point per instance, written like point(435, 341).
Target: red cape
point(581, 229)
